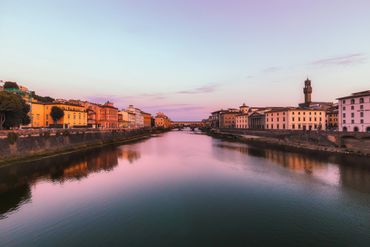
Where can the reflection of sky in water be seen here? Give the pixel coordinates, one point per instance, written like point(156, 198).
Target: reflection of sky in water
point(172, 170)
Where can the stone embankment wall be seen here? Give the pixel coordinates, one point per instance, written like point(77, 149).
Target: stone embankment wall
point(343, 142)
point(47, 143)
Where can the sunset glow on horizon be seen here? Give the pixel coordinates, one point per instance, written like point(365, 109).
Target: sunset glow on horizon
point(186, 58)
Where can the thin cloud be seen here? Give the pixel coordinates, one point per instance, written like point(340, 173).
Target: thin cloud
point(349, 59)
point(203, 89)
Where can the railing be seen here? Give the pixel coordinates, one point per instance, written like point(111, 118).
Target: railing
point(71, 131)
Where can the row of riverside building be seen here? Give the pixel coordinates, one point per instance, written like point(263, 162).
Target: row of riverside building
point(351, 113)
point(85, 114)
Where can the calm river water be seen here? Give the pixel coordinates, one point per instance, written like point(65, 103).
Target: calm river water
point(186, 189)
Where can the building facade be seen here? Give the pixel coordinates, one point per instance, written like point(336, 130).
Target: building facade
point(227, 119)
point(256, 121)
point(108, 117)
point(74, 115)
point(123, 120)
point(162, 121)
point(354, 112)
point(147, 117)
point(295, 119)
point(332, 118)
point(241, 121)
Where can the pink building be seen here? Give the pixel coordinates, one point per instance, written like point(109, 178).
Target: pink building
point(354, 112)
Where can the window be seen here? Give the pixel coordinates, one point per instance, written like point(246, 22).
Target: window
point(362, 121)
point(344, 101)
point(344, 115)
point(344, 121)
point(361, 100)
point(352, 114)
point(361, 107)
point(352, 121)
point(352, 107)
point(352, 101)
point(344, 108)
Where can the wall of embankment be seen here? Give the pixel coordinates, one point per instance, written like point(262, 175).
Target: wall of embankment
point(335, 142)
point(31, 147)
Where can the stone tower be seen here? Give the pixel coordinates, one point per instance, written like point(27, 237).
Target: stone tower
point(307, 92)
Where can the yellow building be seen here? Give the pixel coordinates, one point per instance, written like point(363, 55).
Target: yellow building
point(74, 115)
point(296, 119)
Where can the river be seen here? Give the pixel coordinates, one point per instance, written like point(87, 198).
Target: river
point(183, 188)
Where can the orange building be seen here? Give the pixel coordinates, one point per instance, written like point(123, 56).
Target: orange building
point(74, 115)
point(162, 121)
point(147, 119)
point(108, 116)
point(101, 116)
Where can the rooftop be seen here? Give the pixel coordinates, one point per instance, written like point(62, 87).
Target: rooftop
point(358, 94)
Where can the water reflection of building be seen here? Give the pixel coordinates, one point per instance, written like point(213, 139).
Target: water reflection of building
point(332, 169)
point(16, 180)
point(12, 199)
point(128, 154)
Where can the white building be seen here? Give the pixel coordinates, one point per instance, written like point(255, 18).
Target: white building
point(139, 118)
point(354, 112)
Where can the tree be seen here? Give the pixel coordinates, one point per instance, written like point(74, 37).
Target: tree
point(45, 99)
point(56, 113)
point(13, 110)
point(10, 84)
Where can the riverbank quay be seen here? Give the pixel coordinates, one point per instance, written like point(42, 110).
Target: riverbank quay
point(16, 146)
point(357, 144)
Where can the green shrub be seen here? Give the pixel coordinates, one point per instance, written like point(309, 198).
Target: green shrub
point(12, 137)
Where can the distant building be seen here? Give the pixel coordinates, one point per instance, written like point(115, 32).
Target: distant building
point(108, 116)
point(147, 117)
point(99, 116)
point(215, 119)
point(354, 112)
point(332, 118)
point(308, 103)
point(227, 119)
point(162, 121)
point(256, 120)
point(74, 115)
point(292, 118)
point(241, 121)
point(123, 119)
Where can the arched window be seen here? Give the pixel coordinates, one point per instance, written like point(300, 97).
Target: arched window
point(355, 129)
point(345, 129)
point(368, 129)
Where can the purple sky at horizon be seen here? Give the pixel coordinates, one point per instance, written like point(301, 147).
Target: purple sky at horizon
point(186, 58)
